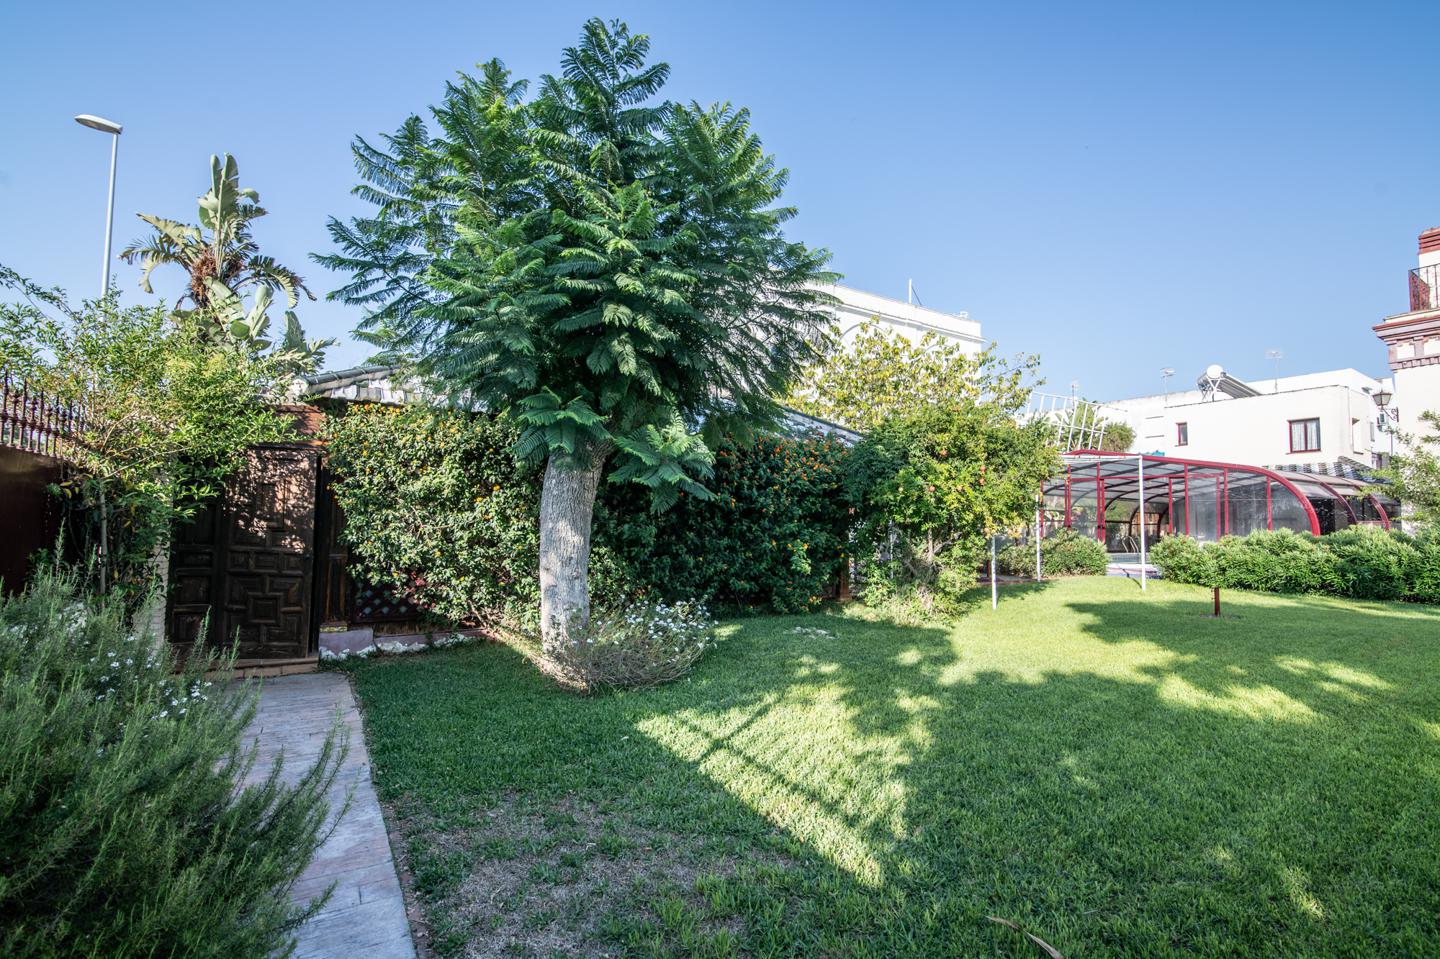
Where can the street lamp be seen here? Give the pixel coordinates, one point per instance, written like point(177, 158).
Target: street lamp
point(1388, 415)
point(113, 128)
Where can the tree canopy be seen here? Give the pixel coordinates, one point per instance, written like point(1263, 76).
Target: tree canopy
point(608, 267)
point(881, 374)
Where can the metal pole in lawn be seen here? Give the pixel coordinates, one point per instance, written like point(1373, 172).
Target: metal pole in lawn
point(994, 589)
point(1039, 532)
point(1141, 461)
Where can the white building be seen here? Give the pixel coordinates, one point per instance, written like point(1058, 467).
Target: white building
point(1313, 421)
point(1413, 341)
point(910, 320)
point(1324, 422)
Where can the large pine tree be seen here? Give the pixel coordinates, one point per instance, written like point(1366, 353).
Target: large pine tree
point(604, 265)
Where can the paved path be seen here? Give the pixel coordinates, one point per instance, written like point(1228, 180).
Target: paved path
point(365, 917)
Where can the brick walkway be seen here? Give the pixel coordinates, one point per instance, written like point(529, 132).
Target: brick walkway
point(365, 916)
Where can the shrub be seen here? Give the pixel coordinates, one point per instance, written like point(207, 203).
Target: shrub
point(1425, 571)
point(1183, 560)
point(771, 537)
point(1277, 561)
point(438, 509)
point(641, 645)
point(124, 826)
point(931, 485)
point(1063, 553)
point(1372, 563)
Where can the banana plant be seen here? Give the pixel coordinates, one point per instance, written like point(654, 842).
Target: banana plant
point(225, 266)
point(250, 325)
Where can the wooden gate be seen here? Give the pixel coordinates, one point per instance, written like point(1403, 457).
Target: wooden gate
point(248, 560)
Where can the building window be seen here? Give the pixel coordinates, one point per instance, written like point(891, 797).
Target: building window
point(1182, 434)
point(1305, 436)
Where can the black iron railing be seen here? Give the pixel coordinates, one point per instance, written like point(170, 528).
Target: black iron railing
point(33, 421)
point(1425, 288)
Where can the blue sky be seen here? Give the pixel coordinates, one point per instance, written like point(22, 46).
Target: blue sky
point(1118, 187)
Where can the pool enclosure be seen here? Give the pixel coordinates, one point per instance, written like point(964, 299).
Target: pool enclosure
point(1100, 494)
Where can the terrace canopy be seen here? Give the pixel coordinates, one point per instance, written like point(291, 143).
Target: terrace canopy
point(1099, 494)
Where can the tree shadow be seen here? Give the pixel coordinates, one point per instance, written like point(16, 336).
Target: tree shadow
point(1158, 781)
point(1120, 778)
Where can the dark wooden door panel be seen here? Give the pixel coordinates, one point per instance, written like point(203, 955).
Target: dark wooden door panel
point(249, 561)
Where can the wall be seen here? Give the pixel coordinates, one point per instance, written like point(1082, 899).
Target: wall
point(1417, 389)
point(1255, 430)
point(910, 320)
point(29, 513)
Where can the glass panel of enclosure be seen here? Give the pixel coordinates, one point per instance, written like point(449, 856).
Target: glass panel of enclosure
point(1331, 510)
point(1203, 501)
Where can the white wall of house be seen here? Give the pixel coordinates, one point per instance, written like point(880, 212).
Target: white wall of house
point(1255, 430)
point(910, 320)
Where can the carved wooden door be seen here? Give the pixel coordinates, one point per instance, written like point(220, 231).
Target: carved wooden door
point(249, 560)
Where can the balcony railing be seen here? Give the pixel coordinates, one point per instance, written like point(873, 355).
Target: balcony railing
point(1425, 288)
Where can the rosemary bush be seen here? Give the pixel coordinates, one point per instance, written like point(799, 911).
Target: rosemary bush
point(644, 644)
point(129, 822)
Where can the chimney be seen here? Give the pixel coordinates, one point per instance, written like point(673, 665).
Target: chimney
point(1430, 246)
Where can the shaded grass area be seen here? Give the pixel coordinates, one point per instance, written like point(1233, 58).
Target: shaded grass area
point(1117, 773)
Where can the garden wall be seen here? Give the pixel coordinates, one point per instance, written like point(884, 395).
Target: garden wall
point(29, 512)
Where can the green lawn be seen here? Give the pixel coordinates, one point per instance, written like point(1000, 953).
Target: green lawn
point(1114, 771)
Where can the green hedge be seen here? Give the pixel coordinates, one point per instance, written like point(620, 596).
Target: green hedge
point(125, 827)
point(1361, 562)
point(772, 537)
point(1064, 553)
point(437, 508)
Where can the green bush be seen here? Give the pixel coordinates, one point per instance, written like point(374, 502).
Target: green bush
point(1362, 562)
point(1063, 553)
point(1425, 573)
point(642, 645)
point(1183, 560)
point(772, 537)
point(929, 485)
point(1275, 561)
point(438, 509)
point(125, 830)
point(1372, 563)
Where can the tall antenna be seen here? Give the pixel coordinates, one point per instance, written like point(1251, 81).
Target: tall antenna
point(1276, 356)
point(1165, 373)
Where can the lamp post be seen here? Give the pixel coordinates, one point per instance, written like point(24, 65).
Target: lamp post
point(1382, 398)
point(113, 128)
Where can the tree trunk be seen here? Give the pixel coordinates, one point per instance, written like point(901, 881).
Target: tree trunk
point(567, 503)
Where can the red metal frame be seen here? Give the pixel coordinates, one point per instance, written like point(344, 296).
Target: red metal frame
point(1223, 506)
point(1384, 515)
